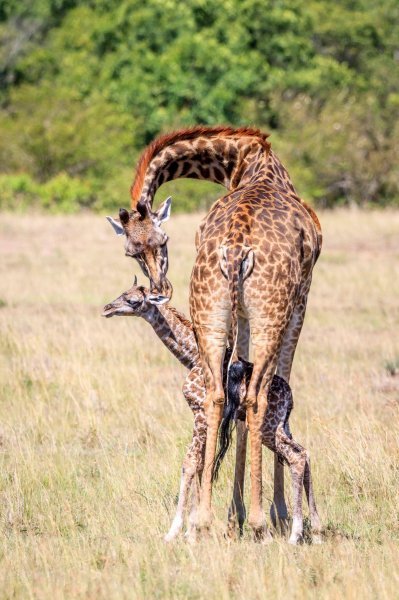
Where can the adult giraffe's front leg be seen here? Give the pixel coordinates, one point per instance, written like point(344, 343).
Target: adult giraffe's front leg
point(267, 323)
point(237, 512)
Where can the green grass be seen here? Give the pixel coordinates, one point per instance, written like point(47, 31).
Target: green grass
point(93, 426)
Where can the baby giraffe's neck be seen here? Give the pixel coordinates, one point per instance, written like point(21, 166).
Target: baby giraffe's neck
point(175, 331)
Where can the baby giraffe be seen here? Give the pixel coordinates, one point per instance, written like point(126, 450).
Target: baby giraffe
point(177, 333)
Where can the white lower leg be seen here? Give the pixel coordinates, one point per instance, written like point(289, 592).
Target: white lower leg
point(297, 530)
point(297, 471)
point(314, 515)
point(177, 523)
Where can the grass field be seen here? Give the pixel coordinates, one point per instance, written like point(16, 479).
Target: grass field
point(93, 426)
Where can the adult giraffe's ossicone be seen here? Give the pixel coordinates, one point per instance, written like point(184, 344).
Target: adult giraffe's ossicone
point(266, 240)
point(147, 242)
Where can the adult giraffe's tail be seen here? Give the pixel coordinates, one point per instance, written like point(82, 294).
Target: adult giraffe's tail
point(236, 263)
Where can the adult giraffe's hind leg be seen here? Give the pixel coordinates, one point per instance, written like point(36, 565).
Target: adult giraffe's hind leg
point(256, 400)
point(212, 348)
point(267, 330)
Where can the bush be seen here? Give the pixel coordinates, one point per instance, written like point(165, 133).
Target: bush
point(84, 86)
point(61, 194)
point(18, 192)
point(65, 194)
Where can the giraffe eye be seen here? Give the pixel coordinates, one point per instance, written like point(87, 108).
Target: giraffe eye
point(134, 303)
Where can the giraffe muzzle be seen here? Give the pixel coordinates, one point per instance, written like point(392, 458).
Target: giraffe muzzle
point(162, 288)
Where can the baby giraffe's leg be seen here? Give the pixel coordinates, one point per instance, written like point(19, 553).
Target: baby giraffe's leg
point(284, 365)
point(188, 472)
point(278, 509)
point(194, 393)
point(314, 515)
point(237, 511)
point(191, 532)
point(296, 457)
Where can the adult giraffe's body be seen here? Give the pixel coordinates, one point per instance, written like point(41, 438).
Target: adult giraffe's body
point(266, 241)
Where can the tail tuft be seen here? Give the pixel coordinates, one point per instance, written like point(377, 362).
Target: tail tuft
point(235, 376)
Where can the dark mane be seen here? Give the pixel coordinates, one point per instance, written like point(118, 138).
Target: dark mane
point(191, 133)
point(181, 317)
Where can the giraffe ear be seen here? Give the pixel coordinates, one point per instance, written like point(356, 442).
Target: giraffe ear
point(116, 225)
point(163, 212)
point(157, 299)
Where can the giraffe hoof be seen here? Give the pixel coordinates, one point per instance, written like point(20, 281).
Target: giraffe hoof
point(174, 529)
point(170, 536)
point(295, 539)
point(260, 530)
point(203, 524)
point(263, 536)
point(191, 535)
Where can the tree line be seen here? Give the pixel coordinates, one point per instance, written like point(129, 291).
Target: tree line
point(85, 85)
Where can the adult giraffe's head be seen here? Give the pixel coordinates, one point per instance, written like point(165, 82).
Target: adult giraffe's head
point(147, 242)
point(220, 154)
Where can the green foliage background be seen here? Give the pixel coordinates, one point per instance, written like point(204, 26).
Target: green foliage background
point(86, 84)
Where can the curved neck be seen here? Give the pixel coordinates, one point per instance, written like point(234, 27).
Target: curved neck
point(229, 159)
point(176, 332)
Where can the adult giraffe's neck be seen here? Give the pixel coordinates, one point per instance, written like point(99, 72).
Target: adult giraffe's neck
point(226, 156)
point(176, 332)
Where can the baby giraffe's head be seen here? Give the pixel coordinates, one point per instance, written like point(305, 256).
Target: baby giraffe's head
point(136, 302)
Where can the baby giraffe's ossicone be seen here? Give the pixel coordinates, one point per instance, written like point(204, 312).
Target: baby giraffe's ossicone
point(176, 332)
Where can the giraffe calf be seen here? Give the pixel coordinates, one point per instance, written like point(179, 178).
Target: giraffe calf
point(176, 332)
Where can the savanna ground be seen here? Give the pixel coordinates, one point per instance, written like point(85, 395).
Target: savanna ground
point(94, 427)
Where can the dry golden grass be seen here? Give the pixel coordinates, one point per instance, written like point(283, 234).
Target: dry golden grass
point(94, 427)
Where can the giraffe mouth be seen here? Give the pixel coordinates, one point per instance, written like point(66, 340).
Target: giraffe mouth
point(111, 310)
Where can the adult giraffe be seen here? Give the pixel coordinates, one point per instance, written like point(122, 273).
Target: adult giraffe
point(265, 240)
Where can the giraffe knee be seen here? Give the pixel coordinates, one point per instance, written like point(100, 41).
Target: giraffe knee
point(216, 397)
